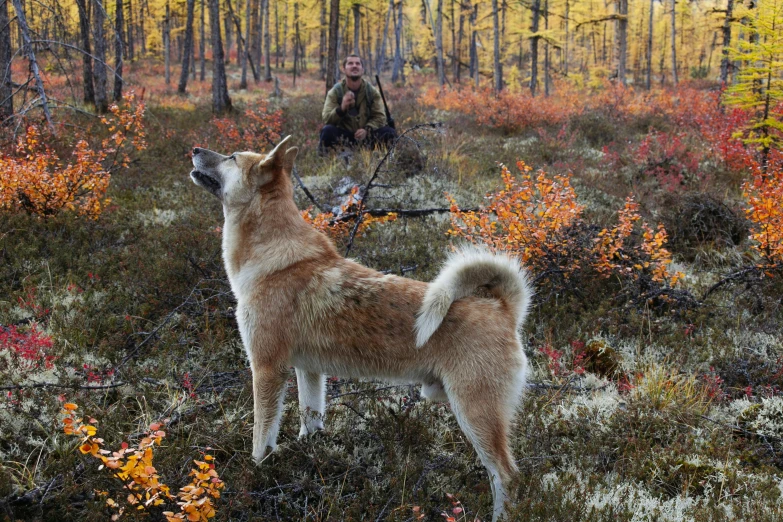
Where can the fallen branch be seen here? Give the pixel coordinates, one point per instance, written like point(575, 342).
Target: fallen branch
point(57, 385)
point(365, 193)
point(380, 212)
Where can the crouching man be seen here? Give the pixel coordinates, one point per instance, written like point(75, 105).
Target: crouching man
point(353, 112)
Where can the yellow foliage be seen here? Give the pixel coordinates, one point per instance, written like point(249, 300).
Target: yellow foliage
point(134, 467)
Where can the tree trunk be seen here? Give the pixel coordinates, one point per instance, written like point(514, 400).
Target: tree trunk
point(334, 29)
point(256, 34)
point(167, 45)
point(357, 17)
point(322, 51)
point(536, 13)
point(6, 88)
point(28, 51)
point(296, 38)
point(382, 51)
point(547, 63)
point(227, 25)
point(202, 44)
point(621, 41)
point(648, 78)
point(474, 58)
point(142, 32)
point(267, 58)
point(118, 49)
point(220, 100)
point(285, 34)
point(99, 69)
point(84, 31)
point(245, 47)
point(398, 72)
point(496, 48)
point(129, 49)
point(458, 49)
point(724, 63)
point(567, 36)
point(439, 44)
point(674, 43)
point(277, 34)
point(183, 76)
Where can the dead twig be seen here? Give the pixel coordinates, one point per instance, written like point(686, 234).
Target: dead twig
point(364, 194)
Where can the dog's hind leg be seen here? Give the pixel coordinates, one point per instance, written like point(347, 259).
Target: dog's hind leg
point(312, 401)
point(269, 383)
point(482, 411)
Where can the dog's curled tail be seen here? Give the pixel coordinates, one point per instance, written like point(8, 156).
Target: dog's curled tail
point(467, 270)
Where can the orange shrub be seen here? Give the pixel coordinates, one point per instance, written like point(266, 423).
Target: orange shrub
point(255, 129)
point(529, 217)
point(35, 179)
point(765, 197)
point(614, 252)
point(507, 111)
point(538, 219)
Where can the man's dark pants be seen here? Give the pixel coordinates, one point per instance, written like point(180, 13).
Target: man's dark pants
point(332, 136)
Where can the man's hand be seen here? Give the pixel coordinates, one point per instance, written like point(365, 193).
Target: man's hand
point(360, 134)
point(349, 100)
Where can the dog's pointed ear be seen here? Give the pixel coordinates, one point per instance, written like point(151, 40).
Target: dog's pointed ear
point(289, 158)
point(279, 158)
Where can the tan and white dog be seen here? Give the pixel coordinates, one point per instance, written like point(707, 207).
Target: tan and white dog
point(301, 304)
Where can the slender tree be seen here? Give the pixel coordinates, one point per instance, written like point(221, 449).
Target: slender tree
point(439, 43)
point(84, 32)
point(322, 41)
point(534, 37)
point(382, 43)
point(220, 100)
point(496, 48)
point(621, 40)
point(27, 49)
point(167, 45)
point(267, 58)
point(202, 44)
point(334, 29)
point(6, 87)
point(99, 70)
point(648, 78)
point(119, 23)
point(188, 52)
point(246, 47)
point(725, 64)
point(674, 41)
point(357, 17)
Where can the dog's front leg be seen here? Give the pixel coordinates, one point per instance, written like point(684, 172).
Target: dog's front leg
point(312, 400)
point(268, 392)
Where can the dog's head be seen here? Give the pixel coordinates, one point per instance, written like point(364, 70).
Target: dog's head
point(237, 178)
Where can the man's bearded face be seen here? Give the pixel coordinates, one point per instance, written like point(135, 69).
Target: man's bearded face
point(354, 68)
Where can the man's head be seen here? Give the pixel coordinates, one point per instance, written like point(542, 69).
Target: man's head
point(353, 66)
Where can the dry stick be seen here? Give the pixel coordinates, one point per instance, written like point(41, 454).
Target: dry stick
point(407, 212)
point(55, 385)
point(307, 192)
point(360, 210)
point(33, 63)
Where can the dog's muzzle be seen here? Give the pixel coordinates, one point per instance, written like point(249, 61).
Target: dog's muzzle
point(200, 175)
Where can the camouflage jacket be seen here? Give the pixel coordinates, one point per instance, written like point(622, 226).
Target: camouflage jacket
point(362, 115)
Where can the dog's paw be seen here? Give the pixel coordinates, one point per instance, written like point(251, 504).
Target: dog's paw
point(260, 455)
point(310, 428)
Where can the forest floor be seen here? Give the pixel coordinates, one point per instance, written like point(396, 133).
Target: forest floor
point(639, 408)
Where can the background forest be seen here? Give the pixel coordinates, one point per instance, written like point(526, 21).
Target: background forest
point(628, 152)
